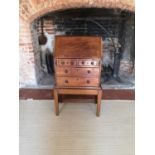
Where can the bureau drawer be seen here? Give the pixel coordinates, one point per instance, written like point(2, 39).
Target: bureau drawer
point(77, 81)
point(88, 63)
point(80, 72)
point(66, 62)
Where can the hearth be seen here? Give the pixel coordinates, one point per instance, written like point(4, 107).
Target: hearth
point(115, 26)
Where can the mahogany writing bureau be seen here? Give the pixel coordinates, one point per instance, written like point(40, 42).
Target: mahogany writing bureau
point(77, 63)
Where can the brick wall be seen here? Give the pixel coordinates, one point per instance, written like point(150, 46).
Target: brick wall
point(26, 54)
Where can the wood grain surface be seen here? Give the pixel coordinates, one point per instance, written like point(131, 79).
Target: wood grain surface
point(80, 47)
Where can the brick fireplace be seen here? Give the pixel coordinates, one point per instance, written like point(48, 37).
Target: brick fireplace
point(111, 19)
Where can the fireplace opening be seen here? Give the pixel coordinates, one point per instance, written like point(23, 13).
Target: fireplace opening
point(115, 26)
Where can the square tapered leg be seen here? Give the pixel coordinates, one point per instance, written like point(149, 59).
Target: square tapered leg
point(56, 103)
point(99, 98)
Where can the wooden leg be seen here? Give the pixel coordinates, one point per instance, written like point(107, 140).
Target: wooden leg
point(56, 103)
point(99, 98)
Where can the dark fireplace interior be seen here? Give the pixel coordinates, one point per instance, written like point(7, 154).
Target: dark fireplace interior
point(116, 27)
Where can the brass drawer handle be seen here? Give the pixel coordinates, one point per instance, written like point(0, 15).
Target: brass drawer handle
point(92, 63)
point(62, 62)
point(88, 81)
point(88, 71)
point(83, 62)
point(66, 81)
point(66, 71)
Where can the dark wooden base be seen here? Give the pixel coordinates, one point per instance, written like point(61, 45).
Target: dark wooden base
point(107, 94)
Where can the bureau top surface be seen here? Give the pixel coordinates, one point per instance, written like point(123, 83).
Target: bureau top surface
point(78, 47)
